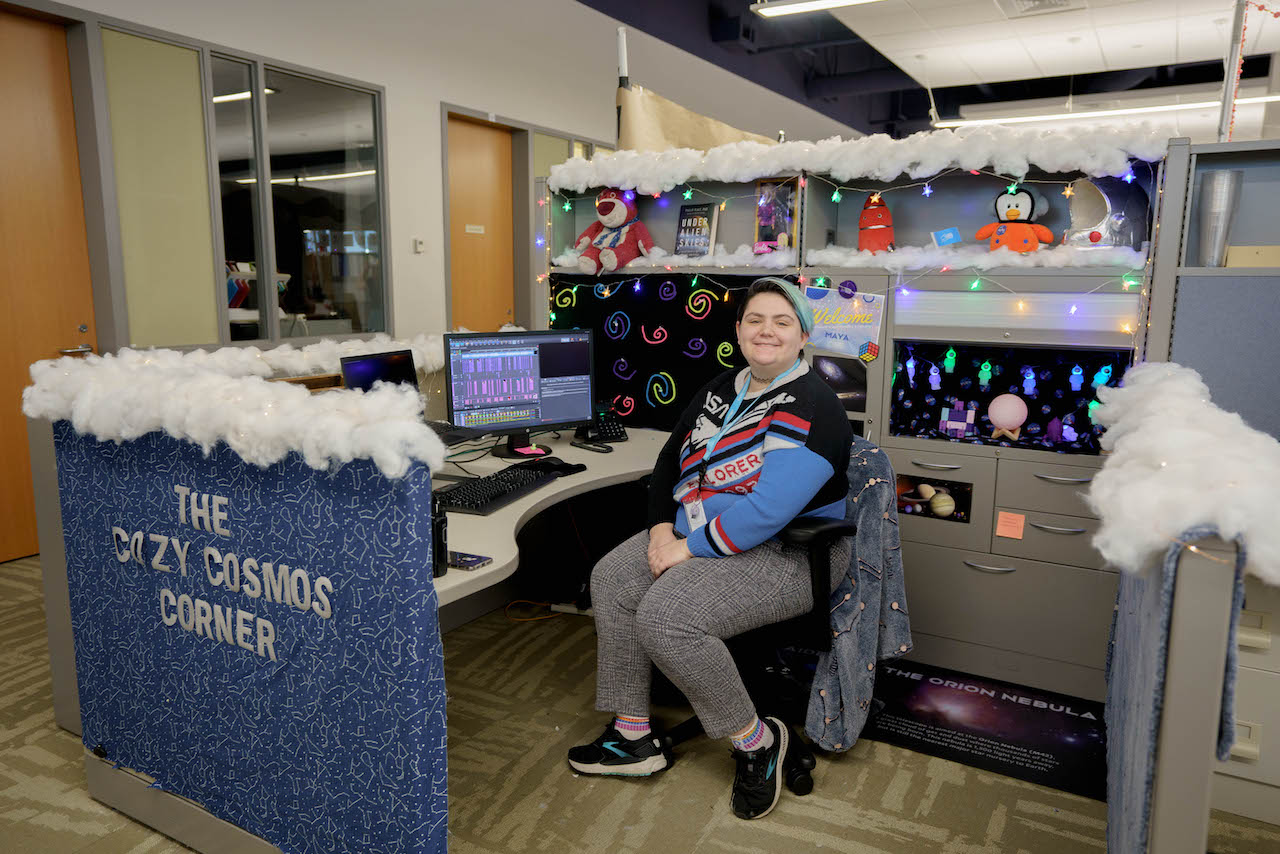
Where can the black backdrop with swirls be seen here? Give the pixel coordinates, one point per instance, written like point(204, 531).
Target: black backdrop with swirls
point(655, 344)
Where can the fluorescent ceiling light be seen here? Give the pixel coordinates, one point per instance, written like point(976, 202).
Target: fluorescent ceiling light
point(309, 179)
point(1100, 114)
point(239, 96)
point(795, 7)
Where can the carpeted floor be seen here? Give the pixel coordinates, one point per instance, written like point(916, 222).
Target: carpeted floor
point(520, 695)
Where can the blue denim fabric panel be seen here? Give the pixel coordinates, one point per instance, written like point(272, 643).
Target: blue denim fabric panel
point(339, 744)
point(1136, 664)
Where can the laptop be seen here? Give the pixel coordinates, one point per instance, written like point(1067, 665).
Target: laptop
point(361, 372)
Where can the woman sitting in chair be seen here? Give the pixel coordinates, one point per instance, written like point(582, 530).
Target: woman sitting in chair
point(756, 448)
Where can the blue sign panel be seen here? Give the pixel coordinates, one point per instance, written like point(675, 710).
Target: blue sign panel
point(262, 641)
point(946, 236)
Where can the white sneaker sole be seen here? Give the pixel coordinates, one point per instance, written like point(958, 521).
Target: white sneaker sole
point(784, 737)
point(643, 768)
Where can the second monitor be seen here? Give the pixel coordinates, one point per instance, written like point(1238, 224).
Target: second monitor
point(517, 382)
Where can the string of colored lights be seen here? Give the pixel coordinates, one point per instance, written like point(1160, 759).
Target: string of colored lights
point(568, 202)
point(877, 193)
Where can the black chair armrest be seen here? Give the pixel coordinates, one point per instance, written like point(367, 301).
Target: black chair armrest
point(817, 536)
point(804, 530)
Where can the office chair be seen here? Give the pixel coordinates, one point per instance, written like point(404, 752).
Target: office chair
point(811, 631)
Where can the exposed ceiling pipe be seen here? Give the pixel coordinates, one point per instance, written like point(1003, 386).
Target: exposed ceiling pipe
point(808, 45)
point(860, 83)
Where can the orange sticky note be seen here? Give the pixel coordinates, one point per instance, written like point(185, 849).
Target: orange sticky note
point(1010, 525)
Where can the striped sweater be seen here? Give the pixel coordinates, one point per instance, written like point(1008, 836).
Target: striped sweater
point(785, 456)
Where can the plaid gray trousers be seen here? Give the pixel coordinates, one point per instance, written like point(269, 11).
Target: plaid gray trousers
point(680, 621)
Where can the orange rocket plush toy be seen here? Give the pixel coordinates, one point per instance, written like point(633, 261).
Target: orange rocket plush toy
point(875, 226)
point(1014, 229)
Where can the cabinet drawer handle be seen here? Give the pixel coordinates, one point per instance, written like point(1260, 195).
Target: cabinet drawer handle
point(938, 466)
point(1057, 479)
point(1054, 529)
point(996, 569)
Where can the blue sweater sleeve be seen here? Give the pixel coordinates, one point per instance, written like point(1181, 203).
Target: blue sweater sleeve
point(789, 479)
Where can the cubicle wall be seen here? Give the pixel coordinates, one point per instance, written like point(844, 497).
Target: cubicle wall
point(263, 642)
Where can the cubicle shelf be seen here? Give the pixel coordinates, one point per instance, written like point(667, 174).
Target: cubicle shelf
point(1229, 272)
point(683, 270)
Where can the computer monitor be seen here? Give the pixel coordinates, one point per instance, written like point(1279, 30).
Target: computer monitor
point(515, 382)
point(363, 371)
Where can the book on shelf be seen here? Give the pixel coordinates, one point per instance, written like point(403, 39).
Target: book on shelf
point(696, 229)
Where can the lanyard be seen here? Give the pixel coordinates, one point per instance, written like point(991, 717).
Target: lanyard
point(731, 416)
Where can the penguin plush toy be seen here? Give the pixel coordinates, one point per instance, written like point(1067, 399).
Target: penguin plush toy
point(1013, 229)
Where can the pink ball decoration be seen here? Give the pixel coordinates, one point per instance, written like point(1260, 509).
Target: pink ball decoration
point(1007, 412)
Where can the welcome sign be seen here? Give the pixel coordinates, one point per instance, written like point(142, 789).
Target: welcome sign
point(264, 642)
point(845, 321)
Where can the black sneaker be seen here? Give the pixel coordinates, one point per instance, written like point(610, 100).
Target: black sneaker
point(614, 753)
point(758, 783)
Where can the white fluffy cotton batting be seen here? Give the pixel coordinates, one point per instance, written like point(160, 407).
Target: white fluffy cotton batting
point(1177, 462)
point(222, 396)
point(1009, 151)
point(976, 257)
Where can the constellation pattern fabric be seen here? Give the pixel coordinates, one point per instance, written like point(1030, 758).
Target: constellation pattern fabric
point(322, 730)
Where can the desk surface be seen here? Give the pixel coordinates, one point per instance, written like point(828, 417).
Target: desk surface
point(495, 535)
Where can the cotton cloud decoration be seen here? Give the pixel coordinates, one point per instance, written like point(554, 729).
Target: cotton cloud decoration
point(1178, 462)
point(1009, 151)
point(222, 396)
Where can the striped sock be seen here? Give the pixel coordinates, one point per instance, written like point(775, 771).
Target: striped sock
point(758, 737)
point(632, 727)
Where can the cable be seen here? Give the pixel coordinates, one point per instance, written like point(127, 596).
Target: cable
point(506, 612)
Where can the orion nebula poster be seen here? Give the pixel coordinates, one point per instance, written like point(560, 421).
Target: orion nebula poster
point(1039, 736)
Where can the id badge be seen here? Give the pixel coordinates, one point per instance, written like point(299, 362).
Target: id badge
point(693, 513)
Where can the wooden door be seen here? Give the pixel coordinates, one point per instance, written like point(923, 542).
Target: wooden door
point(46, 298)
point(482, 273)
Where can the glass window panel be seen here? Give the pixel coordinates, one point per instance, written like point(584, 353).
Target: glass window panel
point(324, 160)
point(155, 99)
point(233, 112)
point(548, 151)
point(579, 149)
point(600, 149)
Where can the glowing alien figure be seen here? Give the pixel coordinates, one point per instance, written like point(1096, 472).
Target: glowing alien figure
point(935, 378)
point(949, 363)
point(1102, 376)
point(984, 375)
point(1028, 382)
point(1077, 378)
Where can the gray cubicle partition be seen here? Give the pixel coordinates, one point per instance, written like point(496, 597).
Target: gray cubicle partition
point(1225, 327)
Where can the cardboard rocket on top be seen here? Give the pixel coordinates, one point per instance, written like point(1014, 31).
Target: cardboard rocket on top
point(875, 226)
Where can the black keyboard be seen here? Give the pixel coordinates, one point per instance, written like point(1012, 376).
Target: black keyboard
point(483, 495)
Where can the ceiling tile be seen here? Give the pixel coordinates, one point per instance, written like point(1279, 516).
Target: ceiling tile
point(1139, 46)
point(960, 15)
point(892, 16)
point(1061, 54)
point(1003, 59)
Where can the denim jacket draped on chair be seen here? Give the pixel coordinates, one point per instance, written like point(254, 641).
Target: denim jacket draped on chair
point(869, 618)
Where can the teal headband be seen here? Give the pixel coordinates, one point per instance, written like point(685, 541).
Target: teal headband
point(799, 302)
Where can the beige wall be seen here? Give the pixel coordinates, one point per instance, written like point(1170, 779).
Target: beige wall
point(154, 94)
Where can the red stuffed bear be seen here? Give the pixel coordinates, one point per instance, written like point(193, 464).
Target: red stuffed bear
point(616, 237)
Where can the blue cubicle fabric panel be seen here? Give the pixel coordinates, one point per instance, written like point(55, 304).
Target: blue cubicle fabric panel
point(1136, 666)
point(1225, 328)
point(305, 705)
